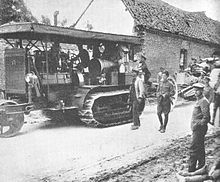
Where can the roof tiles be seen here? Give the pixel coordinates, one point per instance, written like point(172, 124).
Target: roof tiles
point(159, 15)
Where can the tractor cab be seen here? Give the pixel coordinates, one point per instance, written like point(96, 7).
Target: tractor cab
point(65, 71)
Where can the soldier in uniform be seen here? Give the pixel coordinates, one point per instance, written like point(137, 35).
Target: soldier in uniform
point(84, 57)
point(200, 119)
point(207, 172)
point(159, 75)
point(137, 98)
point(208, 90)
point(216, 99)
point(164, 92)
point(215, 170)
point(144, 68)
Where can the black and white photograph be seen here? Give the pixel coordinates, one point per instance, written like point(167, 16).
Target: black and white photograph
point(109, 91)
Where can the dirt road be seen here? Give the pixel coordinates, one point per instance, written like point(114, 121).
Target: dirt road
point(44, 152)
point(165, 165)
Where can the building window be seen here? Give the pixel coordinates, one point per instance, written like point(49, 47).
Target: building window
point(183, 59)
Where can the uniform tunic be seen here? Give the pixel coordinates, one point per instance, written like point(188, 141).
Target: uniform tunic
point(201, 114)
point(200, 118)
point(147, 73)
point(164, 92)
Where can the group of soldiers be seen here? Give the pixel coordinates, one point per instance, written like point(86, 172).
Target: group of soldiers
point(197, 170)
point(165, 91)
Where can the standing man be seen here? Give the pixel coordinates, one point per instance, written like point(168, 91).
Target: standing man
point(164, 92)
point(216, 99)
point(137, 97)
point(144, 68)
point(201, 77)
point(208, 90)
point(159, 75)
point(84, 56)
point(200, 119)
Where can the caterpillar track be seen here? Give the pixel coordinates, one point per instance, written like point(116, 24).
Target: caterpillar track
point(100, 106)
point(106, 106)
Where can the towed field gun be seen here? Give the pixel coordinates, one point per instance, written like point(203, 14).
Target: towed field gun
point(67, 73)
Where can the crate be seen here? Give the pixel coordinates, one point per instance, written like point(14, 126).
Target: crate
point(57, 78)
point(63, 78)
point(52, 79)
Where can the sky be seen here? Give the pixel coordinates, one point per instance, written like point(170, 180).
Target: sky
point(211, 7)
point(72, 9)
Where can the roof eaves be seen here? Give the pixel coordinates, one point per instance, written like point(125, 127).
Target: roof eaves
point(180, 34)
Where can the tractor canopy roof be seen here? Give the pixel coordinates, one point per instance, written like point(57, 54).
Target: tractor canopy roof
point(41, 32)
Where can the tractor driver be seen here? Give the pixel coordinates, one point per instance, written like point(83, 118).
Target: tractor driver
point(84, 57)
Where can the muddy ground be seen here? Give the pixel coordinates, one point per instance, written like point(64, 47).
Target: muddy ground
point(163, 166)
point(44, 152)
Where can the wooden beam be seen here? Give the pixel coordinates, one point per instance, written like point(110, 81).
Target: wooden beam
point(9, 42)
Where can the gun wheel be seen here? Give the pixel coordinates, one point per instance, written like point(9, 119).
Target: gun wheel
point(11, 120)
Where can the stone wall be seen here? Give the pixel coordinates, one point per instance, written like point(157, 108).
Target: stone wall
point(164, 51)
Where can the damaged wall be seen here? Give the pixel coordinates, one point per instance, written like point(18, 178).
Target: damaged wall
point(164, 51)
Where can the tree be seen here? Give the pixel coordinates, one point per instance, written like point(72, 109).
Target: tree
point(88, 25)
point(45, 20)
point(63, 22)
point(15, 10)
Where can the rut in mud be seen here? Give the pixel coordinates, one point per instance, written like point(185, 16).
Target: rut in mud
point(162, 167)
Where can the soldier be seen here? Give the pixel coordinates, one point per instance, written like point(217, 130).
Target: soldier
point(208, 91)
point(211, 172)
point(144, 68)
point(164, 92)
point(84, 56)
point(159, 75)
point(200, 118)
point(215, 170)
point(201, 77)
point(137, 98)
point(216, 99)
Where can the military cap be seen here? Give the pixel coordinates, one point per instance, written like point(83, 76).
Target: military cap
point(166, 73)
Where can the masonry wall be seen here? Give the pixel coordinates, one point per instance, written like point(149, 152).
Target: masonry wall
point(164, 51)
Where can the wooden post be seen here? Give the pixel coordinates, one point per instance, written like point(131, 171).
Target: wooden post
point(28, 70)
point(47, 69)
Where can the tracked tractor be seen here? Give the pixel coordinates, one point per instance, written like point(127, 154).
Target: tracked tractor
point(65, 72)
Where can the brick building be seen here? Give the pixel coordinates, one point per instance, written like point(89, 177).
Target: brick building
point(170, 35)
